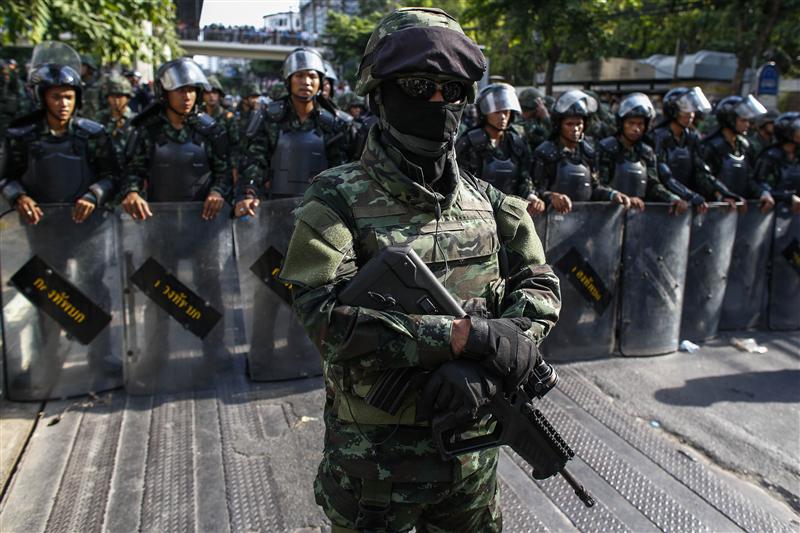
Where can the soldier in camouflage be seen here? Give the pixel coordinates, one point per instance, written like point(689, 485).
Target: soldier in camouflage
point(52, 156)
point(116, 117)
point(382, 472)
point(363, 120)
point(778, 167)
point(212, 101)
point(10, 90)
point(536, 123)
point(762, 135)
point(92, 94)
point(175, 153)
point(629, 165)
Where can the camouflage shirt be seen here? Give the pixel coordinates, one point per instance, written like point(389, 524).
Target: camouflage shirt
point(612, 151)
point(350, 213)
point(474, 149)
point(119, 130)
point(153, 127)
point(92, 100)
point(536, 131)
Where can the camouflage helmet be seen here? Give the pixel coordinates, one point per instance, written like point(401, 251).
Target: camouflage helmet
point(216, 85)
point(250, 89)
point(529, 98)
point(117, 85)
point(404, 44)
point(277, 90)
point(89, 61)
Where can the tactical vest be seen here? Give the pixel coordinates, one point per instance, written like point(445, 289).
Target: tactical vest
point(790, 177)
point(179, 172)
point(630, 177)
point(58, 171)
point(679, 159)
point(733, 173)
point(574, 180)
point(297, 158)
point(500, 173)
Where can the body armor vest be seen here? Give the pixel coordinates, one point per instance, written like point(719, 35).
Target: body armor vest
point(574, 180)
point(734, 173)
point(790, 177)
point(500, 173)
point(630, 177)
point(679, 159)
point(298, 157)
point(58, 172)
point(178, 172)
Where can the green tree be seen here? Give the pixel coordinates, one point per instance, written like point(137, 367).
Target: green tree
point(111, 30)
point(347, 38)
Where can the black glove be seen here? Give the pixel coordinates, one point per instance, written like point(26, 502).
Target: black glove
point(459, 388)
point(501, 347)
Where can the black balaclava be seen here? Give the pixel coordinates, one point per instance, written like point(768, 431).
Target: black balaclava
point(423, 131)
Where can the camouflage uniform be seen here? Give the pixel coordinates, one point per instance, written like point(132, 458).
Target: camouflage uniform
point(91, 100)
point(546, 159)
point(536, 131)
point(119, 130)
point(372, 460)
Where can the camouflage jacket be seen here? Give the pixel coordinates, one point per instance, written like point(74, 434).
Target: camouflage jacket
point(228, 120)
point(545, 161)
point(262, 137)
point(92, 100)
point(536, 131)
point(701, 181)
point(119, 130)
point(25, 137)
point(152, 126)
point(775, 171)
point(611, 151)
point(474, 149)
point(351, 212)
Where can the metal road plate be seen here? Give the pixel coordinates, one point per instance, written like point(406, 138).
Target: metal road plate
point(745, 302)
point(592, 233)
point(654, 259)
point(784, 294)
point(279, 346)
point(710, 248)
point(175, 341)
point(61, 320)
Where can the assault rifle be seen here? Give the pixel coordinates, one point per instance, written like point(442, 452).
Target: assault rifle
point(398, 280)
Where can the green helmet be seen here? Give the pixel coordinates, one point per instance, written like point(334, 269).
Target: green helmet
point(251, 89)
point(89, 61)
point(119, 85)
point(356, 100)
point(405, 43)
point(277, 90)
point(216, 85)
point(529, 97)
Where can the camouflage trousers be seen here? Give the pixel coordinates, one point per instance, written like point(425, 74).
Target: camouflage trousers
point(472, 504)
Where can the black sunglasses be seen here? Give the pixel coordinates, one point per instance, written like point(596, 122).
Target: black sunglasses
point(424, 88)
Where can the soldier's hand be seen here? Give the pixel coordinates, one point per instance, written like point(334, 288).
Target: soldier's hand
point(136, 206)
point(29, 210)
point(536, 206)
point(82, 210)
point(457, 388)
point(731, 203)
point(212, 205)
point(679, 207)
point(623, 199)
point(561, 202)
point(702, 208)
point(501, 346)
point(636, 203)
point(246, 207)
point(767, 202)
point(796, 204)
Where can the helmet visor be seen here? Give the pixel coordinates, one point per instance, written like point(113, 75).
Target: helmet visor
point(750, 108)
point(636, 104)
point(183, 73)
point(303, 60)
point(694, 102)
point(499, 98)
point(570, 98)
point(57, 53)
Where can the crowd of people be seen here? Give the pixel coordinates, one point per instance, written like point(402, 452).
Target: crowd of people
point(249, 35)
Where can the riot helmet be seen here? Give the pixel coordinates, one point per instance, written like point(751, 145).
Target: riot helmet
point(303, 59)
point(732, 107)
point(635, 105)
point(685, 100)
point(330, 73)
point(574, 103)
point(216, 85)
point(786, 126)
point(179, 73)
point(250, 89)
point(530, 98)
point(497, 97)
point(55, 64)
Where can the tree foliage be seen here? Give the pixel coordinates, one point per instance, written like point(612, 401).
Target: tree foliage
point(110, 30)
point(347, 37)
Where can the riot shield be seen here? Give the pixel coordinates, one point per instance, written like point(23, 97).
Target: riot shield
point(61, 297)
point(584, 249)
point(744, 305)
point(180, 298)
point(710, 246)
point(655, 254)
point(279, 346)
point(784, 290)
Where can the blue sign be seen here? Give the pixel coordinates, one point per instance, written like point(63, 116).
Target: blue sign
point(768, 78)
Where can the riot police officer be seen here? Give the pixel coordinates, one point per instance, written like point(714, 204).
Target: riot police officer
point(677, 146)
point(565, 167)
point(293, 140)
point(213, 102)
point(117, 115)
point(727, 152)
point(763, 135)
point(535, 117)
point(627, 163)
point(493, 151)
point(53, 156)
point(176, 153)
point(778, 167)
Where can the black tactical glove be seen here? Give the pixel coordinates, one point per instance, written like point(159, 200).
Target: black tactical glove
point(500, 345)
point(457, 387)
